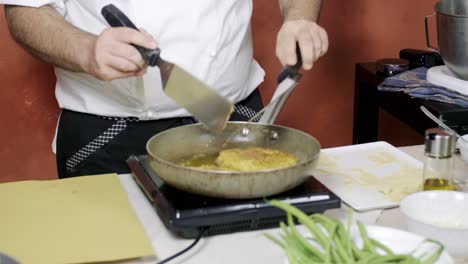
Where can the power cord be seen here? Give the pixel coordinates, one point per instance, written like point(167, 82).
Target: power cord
point(202, 232)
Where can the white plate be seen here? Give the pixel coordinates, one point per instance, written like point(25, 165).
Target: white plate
point(343, 169)
point(399, 241)
point(443, 76)
point(402, 242)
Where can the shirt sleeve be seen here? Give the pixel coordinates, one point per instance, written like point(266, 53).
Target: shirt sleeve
point(59, 5)
point(31, 3)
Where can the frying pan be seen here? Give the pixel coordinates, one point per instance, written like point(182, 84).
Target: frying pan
point(167, 147)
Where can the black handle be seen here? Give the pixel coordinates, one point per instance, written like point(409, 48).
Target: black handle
point(421, 58)
point(291, 71)
point(117, 18)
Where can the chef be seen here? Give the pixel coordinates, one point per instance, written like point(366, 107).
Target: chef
point(111, 102)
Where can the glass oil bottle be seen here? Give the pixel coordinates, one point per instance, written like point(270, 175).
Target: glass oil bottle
point(439, 148)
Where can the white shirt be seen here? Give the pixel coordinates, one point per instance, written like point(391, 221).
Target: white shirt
point(209, 38)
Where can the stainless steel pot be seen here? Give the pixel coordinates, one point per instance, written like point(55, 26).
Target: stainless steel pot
point(452, 35)
point(165, 148)
point(454, 7)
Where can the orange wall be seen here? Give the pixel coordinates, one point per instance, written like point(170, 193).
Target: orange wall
point(322, 105)
point(28, 113)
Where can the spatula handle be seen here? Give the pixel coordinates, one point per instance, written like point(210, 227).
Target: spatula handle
point(291, 71)
point(116, 18)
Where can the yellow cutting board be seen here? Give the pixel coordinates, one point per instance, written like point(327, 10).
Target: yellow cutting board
point(76, 220)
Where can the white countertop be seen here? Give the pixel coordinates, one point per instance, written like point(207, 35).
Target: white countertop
point(243, 247)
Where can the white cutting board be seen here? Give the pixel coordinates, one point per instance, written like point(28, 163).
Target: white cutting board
point(369, 176)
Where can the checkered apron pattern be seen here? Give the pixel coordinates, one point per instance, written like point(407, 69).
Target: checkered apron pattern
point(100, 141)
point(246, 111)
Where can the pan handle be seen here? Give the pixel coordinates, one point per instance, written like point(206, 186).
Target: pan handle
point(116, 18)
point(291, 71)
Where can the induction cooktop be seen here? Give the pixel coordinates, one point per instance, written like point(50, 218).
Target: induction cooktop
point(187, 214)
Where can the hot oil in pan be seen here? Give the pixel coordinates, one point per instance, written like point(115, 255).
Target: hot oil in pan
point(200, 161)
point(242, 159)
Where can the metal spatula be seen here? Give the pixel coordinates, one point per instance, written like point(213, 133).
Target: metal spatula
point(288, 80)
point(196, 97)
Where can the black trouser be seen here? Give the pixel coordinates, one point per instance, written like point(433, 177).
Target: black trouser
point(89, 144)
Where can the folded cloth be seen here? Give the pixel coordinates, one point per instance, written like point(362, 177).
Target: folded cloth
point(414, 83)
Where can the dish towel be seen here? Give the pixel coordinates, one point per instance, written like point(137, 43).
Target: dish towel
point(414, 83)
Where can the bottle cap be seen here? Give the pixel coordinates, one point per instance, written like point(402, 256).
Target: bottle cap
point(439, 143)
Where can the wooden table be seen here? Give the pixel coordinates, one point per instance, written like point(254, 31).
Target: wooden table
point(368, 100)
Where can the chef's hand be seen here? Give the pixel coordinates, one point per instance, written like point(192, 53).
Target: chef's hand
point(312, 39)
point(113, 57)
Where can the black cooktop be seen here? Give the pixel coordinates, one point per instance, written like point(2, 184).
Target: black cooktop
point(187, 214)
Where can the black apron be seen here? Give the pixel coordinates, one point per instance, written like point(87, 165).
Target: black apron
point(90, 144)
